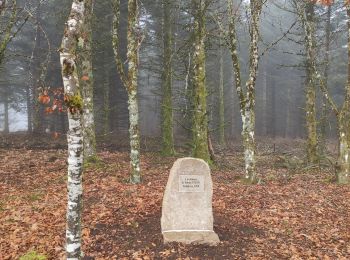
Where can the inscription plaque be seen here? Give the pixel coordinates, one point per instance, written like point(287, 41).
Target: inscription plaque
point(191, 183)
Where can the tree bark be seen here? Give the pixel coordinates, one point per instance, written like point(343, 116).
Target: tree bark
point(36, 82)
point(247, 98)
point(344, 122)
point(200, 117)
point(129, 80)
point(167, 104)
point(343, 118)
point(86, 81)
point(288, 124)
point(222, 140)
point(6, 112)
point(106, 105)
point(343, 171)
point(325, 107)
point(29, 110)
point(264, 112)
point(71, 39)
point(308, 21)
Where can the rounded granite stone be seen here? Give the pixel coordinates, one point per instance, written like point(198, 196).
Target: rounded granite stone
point(187, 214)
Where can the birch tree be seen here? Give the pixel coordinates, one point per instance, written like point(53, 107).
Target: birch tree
point(86, 80)
point(129, 78)
point(246, 94)
point(72, 38)
point(200, 117)
point(343, 116)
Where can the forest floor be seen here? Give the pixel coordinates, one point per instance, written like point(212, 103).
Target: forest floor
point(296, 212)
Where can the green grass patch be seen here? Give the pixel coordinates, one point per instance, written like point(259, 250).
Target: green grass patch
point(34, 197)
point(32, 255)
point(2, 206)
point(94, 162)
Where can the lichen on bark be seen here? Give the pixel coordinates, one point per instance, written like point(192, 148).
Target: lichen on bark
point(129, 79)
point(75, 133)
point(200, 118)
point(307, 14)
point(343, 117)
point(84, 58)
point(247, 95)
point(221, 99)
point(167, 104)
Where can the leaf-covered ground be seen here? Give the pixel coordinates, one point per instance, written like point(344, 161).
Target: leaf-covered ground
point(295, 213)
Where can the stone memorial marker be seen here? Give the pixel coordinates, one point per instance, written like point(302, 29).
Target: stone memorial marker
point(187, 214)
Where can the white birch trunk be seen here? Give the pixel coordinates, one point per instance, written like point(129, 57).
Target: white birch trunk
point(134, 137)
point(343, 174)
point(246, 96)
point(74, 104)
point(248, 136)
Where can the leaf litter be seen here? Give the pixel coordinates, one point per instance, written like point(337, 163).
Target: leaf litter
point(304, 217)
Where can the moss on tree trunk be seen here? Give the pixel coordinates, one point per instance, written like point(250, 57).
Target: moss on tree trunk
point(221, 99)
point(200, 117)
point(247, 96)
point(134, 39)
point(307, 14)
point(71, 38)
point(84, 52)
point(167, 104)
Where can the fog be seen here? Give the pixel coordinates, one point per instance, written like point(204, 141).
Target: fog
point(31, 64)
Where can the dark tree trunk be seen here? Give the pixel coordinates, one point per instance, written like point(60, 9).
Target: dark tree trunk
point(6, 112)
point(29, 110)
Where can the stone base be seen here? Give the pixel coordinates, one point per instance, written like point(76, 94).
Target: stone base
point(192, 237)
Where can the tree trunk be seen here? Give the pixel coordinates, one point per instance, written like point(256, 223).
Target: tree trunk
point(273, 99)
point(6, 112)
point(221, 99)
point(29, 110)
point(133, 62)
point(247, 100)
point(288, 124)
point(167, 106)
point(200, 120)
point(264, 111)
point(72, 36)
point(325, 108)
point(344, 123)
point(248, 120)
point(310, 108)
point(86, 82)
point(343, 171)
point(343, 118)
point(106, 108)
point(129, 80)
point(36, 83)
point(248, 117)
point(134, 137)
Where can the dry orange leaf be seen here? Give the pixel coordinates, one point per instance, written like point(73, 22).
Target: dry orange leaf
point(85, 78)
